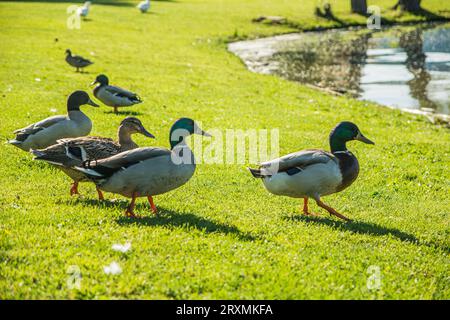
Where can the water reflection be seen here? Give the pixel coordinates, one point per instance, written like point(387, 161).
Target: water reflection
point(328, 62)
point(404, 67)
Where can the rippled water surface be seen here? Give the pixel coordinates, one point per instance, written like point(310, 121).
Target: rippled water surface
point(404, 67)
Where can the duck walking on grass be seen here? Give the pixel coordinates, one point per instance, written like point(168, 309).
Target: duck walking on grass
point(77, 61)
point(84, 10)
point(144, 6)
point(46, 132)
point(314, 173)
point(67, 153)
point(113, 96)
point(146, 172)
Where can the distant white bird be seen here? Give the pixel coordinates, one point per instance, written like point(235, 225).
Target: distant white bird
point(84, 10)
point(144, 6)
point(113, 268)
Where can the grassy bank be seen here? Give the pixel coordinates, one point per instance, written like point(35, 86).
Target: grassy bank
point(221, 235)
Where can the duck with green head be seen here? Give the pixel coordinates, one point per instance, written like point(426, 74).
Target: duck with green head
point(147, 172)
point(314, 173)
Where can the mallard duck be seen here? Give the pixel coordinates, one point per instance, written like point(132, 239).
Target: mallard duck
point(144, 6)
point(67, 153)
point(77, 61)
point(84, 10)
point(45, 133)
point(113, 96)
point(314, 173)
point(146, 172)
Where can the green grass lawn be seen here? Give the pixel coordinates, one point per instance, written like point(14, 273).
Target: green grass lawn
point(222, 235)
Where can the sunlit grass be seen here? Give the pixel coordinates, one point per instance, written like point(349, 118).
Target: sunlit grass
point(221, 235)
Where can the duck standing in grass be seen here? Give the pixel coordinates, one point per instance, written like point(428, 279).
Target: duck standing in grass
point(67, 153)
point(84, 10)
point(314, 173)
point(46, 132)
point(144, 6)
point(77, 61)
point(146, 172)
point(113, 96)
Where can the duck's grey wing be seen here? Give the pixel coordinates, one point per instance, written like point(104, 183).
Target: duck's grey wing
point(295, 162)
point(107, 167)
point(22, 134)
point(117, 91)
point(81, 61)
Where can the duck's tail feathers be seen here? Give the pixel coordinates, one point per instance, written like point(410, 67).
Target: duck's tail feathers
point(256, 172)
point(41, 155)
point(38, 155)
point(136, 99)
point(14, 142)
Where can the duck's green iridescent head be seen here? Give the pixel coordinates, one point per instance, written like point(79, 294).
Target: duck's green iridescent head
point(343, 132)
point(182, 128)
point(102, 79)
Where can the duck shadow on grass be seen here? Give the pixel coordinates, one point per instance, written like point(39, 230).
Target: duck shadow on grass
point(367, 228)
point(166, 217)
point(125, 113)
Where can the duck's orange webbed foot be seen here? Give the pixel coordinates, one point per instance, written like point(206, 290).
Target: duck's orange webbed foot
point(74, 188)
point(100, 194)
point(331, 210)
point(130, 210)
point(152, 205)
point(305, 209)
point(131, 214)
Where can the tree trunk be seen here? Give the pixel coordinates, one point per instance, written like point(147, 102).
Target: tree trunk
point(408, 5)
point(359, 6)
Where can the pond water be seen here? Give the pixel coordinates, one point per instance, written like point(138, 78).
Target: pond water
point(403, 67)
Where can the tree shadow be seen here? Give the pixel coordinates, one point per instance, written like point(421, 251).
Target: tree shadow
point(422, 12)
point(165, 217)
point(366, 228)
point(429, 15)
point(328, 14)
point(383, 20)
